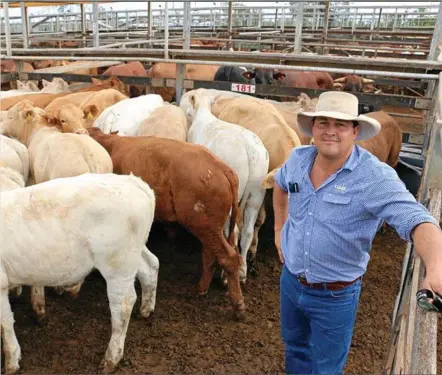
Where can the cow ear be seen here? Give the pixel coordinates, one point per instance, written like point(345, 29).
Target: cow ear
point(249, 75)
point(44, 82)
point(279, 75)
point(192, 100)
point(90, 111)
point(28, 114)
point(20, 85)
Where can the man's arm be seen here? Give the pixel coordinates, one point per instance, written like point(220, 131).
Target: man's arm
point(386, 197)
point(427, 239)
point(280, 208)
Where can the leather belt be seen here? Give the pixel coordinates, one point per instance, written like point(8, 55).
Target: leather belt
point(337, 285)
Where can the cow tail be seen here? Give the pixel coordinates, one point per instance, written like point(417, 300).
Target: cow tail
point(234, 187)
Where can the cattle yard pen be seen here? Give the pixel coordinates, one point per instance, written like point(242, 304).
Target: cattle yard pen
point(408, 63)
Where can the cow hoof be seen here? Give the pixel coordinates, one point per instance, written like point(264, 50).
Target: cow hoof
point(239, 310)
point(108, 366)
point(12, 369)
point(146, 313)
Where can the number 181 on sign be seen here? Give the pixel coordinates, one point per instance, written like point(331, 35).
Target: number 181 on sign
point(242, 87)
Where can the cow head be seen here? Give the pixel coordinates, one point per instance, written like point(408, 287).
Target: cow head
point(352, 83)
point(69, 119)
point(56, 86)
point(278, 76)
point(12, 119)
point(111, 83)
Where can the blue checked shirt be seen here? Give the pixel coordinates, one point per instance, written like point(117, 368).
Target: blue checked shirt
point(329, 232)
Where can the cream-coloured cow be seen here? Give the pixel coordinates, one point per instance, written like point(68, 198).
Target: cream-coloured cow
point(167, 121)
point(241, 150)
point(80, 109)
point(57, 232)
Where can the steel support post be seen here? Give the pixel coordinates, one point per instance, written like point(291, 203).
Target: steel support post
point(299, 23)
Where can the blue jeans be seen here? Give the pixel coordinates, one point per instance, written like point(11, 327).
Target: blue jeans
point(316, 325)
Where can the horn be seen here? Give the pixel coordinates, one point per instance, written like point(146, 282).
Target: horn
point(340, 80)
point(365, 80)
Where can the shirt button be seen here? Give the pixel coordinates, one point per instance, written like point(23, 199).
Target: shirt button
point(310, 213)
point(308, 233)
point(306, 253)
point(306, 270)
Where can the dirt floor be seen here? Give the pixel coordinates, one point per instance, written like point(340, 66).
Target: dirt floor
point(191, 334)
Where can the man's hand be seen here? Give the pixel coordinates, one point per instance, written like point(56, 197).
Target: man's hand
point(433, 280)
point(428, 244)
point(278, 245)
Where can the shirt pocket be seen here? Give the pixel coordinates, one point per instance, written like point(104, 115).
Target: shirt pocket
point(297, 201)
point(336, 207)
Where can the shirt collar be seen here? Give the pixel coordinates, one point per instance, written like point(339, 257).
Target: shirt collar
point(350, 164)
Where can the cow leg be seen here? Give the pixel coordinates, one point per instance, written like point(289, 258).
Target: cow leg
point(148, 277)
point(16, 292)
point(230, 260)
point(208, 271)
point(38, 301)
point(251, 213)
point(258, 224)
point(11, 347)
point(122, 297)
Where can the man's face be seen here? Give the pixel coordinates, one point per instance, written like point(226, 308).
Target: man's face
point(334, 138)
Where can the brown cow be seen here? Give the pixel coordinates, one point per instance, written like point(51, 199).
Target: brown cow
point(352, 83)
point(134, 68)
point(168, 70)
point(309, 80)
point(193, 188)
point(386, 145)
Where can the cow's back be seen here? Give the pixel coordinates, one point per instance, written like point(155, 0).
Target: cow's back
point(67, 155)
point(264, 120)
point(181, 174)
point(38, 100)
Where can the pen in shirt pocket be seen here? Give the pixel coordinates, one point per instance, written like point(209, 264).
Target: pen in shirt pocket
point(293, 187)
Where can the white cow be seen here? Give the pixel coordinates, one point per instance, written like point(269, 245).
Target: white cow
point(22, 88)
point(57, 85)
point(243, 151)
point(15, 155)
point(68, 227)
point(126, 116)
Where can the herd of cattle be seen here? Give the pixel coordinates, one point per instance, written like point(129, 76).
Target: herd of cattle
point(84, 174)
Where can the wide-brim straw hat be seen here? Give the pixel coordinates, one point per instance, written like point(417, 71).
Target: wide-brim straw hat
point(342, 106)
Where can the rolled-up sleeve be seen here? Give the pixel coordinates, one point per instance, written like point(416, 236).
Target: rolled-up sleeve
point(280, 177)
point(385, 196)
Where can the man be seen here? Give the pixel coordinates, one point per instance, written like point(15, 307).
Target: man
point(329, 200)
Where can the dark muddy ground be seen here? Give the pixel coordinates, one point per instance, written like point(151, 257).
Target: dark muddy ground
point(195, 335)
